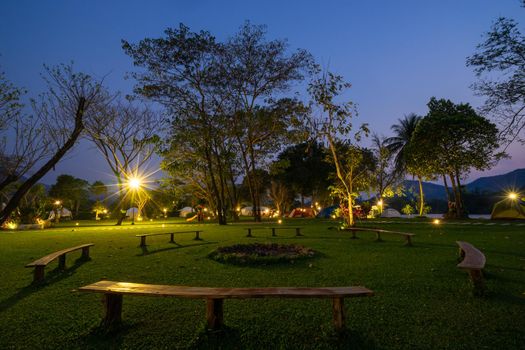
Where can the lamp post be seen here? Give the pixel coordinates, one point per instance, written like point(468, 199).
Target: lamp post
point(134, 184)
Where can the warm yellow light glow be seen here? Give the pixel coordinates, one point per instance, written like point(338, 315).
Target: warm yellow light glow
point(205, 209)
point(279, 221)
point(105, 211)
point(318, 208)
point(513, 195)
point(208, 218)
point(139, 218)
point(12, 225)
point(164, 210)
point(380, 202)
point(57, 202)
point(316, 204)
point(163, 225)
point(134, 183)
point(333, 216)
point(76, 224)
point(436, 222)
point(238, 209)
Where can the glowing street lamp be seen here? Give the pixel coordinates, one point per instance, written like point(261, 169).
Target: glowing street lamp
point(134, 184)
point(513, 196)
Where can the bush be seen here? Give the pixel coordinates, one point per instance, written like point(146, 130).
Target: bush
point(260, 253)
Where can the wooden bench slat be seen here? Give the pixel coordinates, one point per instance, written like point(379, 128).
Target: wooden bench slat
point(473, 259)
point(50, 257)
point(224, 293)
point(165, 233)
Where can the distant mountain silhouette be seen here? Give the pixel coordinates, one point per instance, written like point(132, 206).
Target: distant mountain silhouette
point(514, 180)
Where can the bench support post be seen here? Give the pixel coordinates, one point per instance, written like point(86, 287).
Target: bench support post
point(378, 237)
point(197, 237)
point(113, 311)
point(298, 232)
point(38, 275)
point(171, 238)
point(338, 314)
point(249, 232)
point(477, 281)
point(62, 262)
point(273, 232)
point(143, 241)
point(214, 313)
point(85, 253)
point(353, 234)
point(409, 241)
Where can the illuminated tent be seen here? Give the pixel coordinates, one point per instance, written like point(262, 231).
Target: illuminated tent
point(248, 211)
point(508, 209)
point(302, 213)
point(64, 214)
point(132, 212)
point(327, 212)
point(185, 211)
point(390, 213)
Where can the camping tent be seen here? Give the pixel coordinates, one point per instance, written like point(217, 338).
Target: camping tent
point(185, 211)
point(327, 212)
point(132, 212)
point(248, 211)
point(64, 214)
point(508, 209)
point(302, 213)
point(390, 213)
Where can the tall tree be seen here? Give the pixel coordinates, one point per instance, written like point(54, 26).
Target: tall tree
point(71, 98)
point(330, 121)
point(452, 139)
point(499, 62)
point(70, 190)
point(385, 174)
point(399, 147)
point(126, 134)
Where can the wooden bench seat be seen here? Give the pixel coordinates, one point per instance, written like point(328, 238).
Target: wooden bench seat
point(473, 260)
point(172, 234)
point(114, 292)
point(274, 229)
point(41, 263)
point(408, 236)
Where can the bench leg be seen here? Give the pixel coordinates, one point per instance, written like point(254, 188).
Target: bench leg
point(353, 235)
point(298, 232)
point(113, 311)
point(214, 313)
point(477, 280)
point(197, 237)
point(85, 253)
point(62, 262)
point(38, 275)
point(408, 242)
point(249, 233)
point(273, 232)
point(143, 241)
point(378, 237)
point(338, 314)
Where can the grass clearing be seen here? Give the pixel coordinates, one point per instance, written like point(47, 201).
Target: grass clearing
point(422, 300)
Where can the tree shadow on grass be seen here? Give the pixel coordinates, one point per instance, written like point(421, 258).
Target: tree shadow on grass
point(100, 338)
point(146, 251)
point(51, 277)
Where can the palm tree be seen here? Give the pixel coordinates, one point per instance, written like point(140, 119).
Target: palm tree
point(398, 147)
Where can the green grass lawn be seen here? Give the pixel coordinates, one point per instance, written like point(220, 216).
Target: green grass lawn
point(422, 300)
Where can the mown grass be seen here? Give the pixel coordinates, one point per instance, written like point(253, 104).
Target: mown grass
point(422, 300)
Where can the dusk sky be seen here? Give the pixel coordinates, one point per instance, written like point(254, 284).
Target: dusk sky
point(396, 54)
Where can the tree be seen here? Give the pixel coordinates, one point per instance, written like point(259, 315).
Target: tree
point(305, 170)
point(99, 190)
point(71, 191)
point(503, 52)
point(330, 122)
point(385, 175)
point(22, 142)
point(452, 139)
point(126, 134)
point(70, 100)
point(399, 147)
point(256, 74)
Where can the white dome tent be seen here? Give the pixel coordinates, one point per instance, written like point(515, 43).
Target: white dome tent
point(64, 213)
point(390, 213)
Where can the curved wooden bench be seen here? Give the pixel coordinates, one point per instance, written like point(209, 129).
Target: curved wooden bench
point(114, 292)
point(41, 263)
point(143, 236)
point(473, 260)
point(408, 236)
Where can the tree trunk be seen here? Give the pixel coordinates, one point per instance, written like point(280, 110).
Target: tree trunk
point(26, 186)
point(446, 187)
point(421, 196)
point(459, 198)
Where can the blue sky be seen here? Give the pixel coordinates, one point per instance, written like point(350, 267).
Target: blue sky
point(396, 54)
